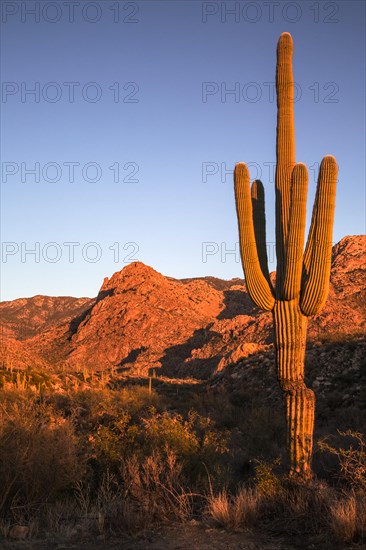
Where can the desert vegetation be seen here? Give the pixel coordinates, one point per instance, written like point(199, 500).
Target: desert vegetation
point(87, 456)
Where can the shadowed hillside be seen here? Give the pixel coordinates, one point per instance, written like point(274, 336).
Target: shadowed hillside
point(141, 321)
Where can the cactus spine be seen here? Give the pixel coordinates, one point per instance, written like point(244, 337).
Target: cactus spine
point(302, 278)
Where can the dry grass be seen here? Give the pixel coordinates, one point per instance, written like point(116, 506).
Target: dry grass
point(245, 507)
point(347, 517)
point(219, 509)
point(156, 486)
point(38, 456)
point(234, 512)
point(343, 518)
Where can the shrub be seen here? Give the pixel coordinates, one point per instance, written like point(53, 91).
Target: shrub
point(38, 456)
point(172, 431)
point(267, 482)
point(352, 460)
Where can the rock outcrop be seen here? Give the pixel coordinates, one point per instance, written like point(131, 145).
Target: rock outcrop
point(142, 320)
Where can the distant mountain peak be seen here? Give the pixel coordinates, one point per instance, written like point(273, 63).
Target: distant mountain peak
point(130, 277)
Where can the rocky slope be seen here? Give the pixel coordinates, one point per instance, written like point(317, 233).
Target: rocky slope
point(142, 320)
point(26, 317)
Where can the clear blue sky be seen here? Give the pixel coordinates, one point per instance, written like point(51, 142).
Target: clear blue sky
point(165, 128)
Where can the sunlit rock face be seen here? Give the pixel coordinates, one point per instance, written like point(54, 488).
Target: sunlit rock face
point(143, 320)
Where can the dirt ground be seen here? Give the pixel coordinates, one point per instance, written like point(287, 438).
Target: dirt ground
point(193, 536)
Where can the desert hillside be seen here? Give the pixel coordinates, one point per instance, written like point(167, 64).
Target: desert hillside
point(142, 320)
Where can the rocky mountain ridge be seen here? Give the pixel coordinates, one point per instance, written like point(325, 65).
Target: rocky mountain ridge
point(143, 321)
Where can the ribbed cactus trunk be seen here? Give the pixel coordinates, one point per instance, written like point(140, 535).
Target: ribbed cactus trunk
point(302, 278)
point(290, 342)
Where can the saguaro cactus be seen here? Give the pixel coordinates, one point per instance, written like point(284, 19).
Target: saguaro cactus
point(302, 278)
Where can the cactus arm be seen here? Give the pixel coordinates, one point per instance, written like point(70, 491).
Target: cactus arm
point(257, 285)
point(259, 221)
point(296, 234)
point(318, 252)
point(285, 148)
